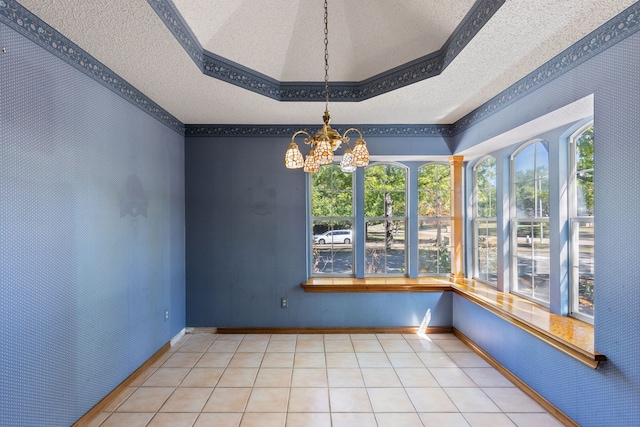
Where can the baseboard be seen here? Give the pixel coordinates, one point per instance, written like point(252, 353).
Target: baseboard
point(366, 330)
point(540, 400)
point(97, 409)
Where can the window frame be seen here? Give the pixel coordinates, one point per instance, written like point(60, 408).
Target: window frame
point(477, 220)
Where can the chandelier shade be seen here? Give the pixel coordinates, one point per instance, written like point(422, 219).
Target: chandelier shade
point(327, 140)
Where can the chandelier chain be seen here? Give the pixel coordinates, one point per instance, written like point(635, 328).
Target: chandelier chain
point(326, 55)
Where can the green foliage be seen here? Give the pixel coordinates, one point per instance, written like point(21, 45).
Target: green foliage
point(380, 180)
point(486, 188)
point(331, 192)
point(584, 171)
point(434, 190)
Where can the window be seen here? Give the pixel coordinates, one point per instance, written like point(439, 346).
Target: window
point(434, 219)
point(581, 227)
point(530, 221)
point(385, 219)
point(332, 221)
point(485, 238)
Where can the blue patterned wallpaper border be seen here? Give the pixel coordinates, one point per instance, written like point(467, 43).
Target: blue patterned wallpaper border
point(29, 25)
point(615, 30)
point(406, 74)
point(287, 130)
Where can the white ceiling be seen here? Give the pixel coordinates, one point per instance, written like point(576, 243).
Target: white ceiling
point(283, 39)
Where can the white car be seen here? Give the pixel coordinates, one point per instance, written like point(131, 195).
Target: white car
point(334, 236)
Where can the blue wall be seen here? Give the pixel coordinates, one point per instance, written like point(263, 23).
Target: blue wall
point(608, 396)
point(83, 288)
point(246, 247)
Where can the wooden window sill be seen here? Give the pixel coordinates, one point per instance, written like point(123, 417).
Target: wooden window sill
point(571, 336)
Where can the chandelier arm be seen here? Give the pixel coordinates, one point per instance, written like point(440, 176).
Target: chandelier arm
point(308, 140)
point(344, 135)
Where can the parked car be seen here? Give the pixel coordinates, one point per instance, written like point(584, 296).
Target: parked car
point(334, 236)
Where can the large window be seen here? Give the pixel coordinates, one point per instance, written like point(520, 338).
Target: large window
point(332, 221)
point(385, 219)
point(485, 237)
point(581, 211)
point(434, 219)
point(530, 221)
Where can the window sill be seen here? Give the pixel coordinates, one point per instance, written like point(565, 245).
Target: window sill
point(571, 336)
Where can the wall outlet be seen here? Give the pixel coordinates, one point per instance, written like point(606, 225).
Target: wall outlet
point(284, 303)
point(166, 315)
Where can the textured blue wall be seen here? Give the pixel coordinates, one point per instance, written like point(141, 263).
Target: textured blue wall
point(609, 396)
point(246, 248)
point(83, 288)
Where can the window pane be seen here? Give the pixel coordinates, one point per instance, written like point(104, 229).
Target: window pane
point(332, 247)
point(583, 269)
point(487, 251)
point(434, 190)
point(434, 247)
point(486, 203)
point(385, 247)
point(385, 191)
point(532, 260)
point(525, 199)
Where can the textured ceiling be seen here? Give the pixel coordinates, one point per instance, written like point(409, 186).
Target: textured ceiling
point(282, 39)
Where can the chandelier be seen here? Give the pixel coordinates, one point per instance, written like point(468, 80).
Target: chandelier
point(327, 140)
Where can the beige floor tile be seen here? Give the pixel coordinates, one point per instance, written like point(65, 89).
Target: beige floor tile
point(223, 346)
point(338, 346)
point(488, 420)
point(277, 360)
point(309, 360)
point(252, 346)
point(468, 360)
point(416, 377)
point(424, 346)
point(432, 399)
point(310, 337)
point(214, 360)
point(218, 420)
point(367, 346)
point(441, 337)
point(353, 419)
point(308, 420)
point(380, 377)
point(396, 420)
point(146, 399)
point(238, 377)
point(160, 360)
point(304, 399)
point(283, 337)
point(488, 377)
point(390, 400)
point(453, 346)
point(349, 400)
point(383, 337)
point(315, 346)
point(452, 377)
point(98, 419)
point(336, 337)
point(534, 420)
point(405, 360)
point(228, 400)
point(309, 377)
point(511, 399)
point(283, 346)
point(202, 377)
point(257, 337)
point(263, 420)
point(195, 346)
point(173, 420)
point(166, 377)
point(345, 377)
point(373, 360)
point(341, 360)
point(246, 360)
point(230, 337)
point(436, 360)
point(128, 420)
point(436, 419)
point(268, 400)
point(358, 337)
point(471, 399)
point(396, 346)
point(273, 377)
point(142, 377)
point(186, 399)
point(182, 360)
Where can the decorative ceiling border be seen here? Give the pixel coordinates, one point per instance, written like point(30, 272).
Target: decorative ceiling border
point(17, 17)
point(288, 130)
point(417, 70)
point(613, 31)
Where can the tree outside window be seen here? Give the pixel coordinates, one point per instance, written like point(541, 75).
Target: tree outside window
point(434, 219)
point(485, 223)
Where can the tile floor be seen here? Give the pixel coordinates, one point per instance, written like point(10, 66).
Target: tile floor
point(383, 380)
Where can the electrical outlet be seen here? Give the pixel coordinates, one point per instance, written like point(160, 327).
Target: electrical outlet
point(284, 303)
point(166, 315)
